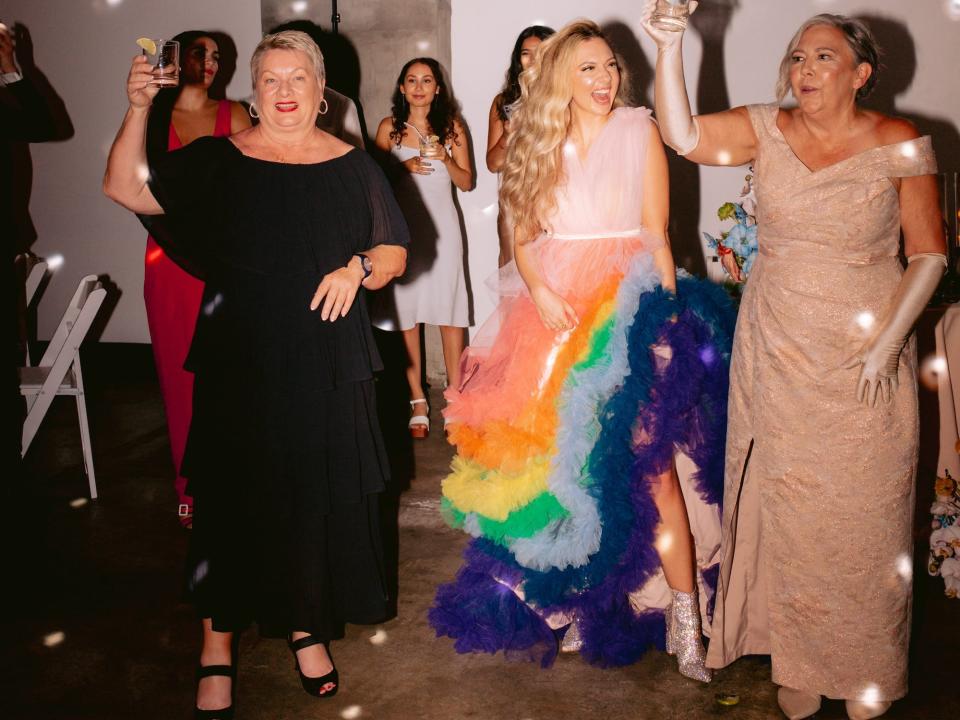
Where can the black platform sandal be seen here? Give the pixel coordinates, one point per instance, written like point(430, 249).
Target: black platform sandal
point(314, 685)
point(210, 671)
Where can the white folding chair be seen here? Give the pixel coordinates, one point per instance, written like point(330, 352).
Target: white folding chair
point(36, 270)
point(58, 372)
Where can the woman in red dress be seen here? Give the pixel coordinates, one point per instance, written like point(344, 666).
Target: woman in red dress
point(171, 293)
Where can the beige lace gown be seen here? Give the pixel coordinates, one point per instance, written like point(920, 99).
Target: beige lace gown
point(819, 495)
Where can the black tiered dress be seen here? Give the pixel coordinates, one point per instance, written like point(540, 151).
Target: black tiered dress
point(284, 457)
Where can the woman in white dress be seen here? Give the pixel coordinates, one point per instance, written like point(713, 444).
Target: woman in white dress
point(425, 135)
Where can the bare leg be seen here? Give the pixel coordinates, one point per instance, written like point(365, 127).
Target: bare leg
point(411, 340)
point(314, 661)
point(452, 340)
point(674, 542)
point(213, 693)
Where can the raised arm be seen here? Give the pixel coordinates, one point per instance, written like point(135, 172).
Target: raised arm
point(656, 207)
point(125, 181)
point(722, 138)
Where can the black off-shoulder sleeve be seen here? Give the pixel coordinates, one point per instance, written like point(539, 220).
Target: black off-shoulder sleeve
point(182, 183)
point(387, 226)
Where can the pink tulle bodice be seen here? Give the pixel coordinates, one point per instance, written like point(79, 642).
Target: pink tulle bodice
point(603, 193)
point(596, 227)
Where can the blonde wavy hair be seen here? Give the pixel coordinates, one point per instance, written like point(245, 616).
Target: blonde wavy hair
point(533, 169)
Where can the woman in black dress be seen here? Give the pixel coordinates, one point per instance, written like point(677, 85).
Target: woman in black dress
point(284, 456)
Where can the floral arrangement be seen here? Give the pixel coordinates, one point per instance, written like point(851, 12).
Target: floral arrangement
point(945, 538)
point(741, 239)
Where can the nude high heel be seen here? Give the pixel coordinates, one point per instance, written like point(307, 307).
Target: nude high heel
point(797, 704)
point(686, 639)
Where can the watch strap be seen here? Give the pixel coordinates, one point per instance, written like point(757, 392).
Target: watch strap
point(365, 264)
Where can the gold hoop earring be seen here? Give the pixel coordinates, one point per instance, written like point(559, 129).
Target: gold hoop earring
point(252, 110)
point(323, 104)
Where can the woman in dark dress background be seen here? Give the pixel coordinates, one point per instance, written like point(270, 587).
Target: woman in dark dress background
point(284, 455)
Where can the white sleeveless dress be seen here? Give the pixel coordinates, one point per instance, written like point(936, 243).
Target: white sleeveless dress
point(434, 288)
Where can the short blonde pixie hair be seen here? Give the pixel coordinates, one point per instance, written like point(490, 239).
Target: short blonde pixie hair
point(859, 39)
point(288, 40)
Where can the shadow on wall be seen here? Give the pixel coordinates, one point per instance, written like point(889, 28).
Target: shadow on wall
point(340, 60)
point(711, 22)
point(898, 68)
point(228, 64)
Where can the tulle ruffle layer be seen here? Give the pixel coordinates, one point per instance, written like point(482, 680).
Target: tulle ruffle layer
point(559, 437)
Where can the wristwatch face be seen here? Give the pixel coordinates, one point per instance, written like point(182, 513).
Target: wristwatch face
point(365, 264)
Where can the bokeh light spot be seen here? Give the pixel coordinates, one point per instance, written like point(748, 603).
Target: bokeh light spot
point(708, 356)
point(932, 369)
point(53, 639)
point(78, 502)
point(905, 567)
point(55, 262)
point(211, 307)
point(351, 711)
point(865, 320)
point(664, 542)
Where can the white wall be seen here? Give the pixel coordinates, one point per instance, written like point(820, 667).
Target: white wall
point(483, 34)
point(84, 47)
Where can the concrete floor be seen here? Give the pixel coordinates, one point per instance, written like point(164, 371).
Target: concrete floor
point(99, 582)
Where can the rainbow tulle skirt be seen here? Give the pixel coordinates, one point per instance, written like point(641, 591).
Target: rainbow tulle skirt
point(559, 436)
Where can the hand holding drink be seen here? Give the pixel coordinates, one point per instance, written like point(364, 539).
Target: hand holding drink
point(164, 58)
point(140, 88)
point(430, 148)
point(671, 15)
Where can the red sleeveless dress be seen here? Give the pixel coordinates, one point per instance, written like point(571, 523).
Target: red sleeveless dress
point(172, 297)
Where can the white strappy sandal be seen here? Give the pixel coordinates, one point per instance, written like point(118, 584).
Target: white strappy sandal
point(419, 425)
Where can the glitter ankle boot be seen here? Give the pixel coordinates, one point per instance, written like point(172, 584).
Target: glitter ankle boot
point(686, 640)
point(668, 622)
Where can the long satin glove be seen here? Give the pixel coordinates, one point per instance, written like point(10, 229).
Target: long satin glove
point(880, 356)
point(678, 127)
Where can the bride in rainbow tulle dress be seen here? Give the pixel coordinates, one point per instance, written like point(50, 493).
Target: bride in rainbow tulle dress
point(591, 417)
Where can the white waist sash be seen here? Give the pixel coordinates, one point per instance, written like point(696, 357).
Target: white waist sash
point(633, 232)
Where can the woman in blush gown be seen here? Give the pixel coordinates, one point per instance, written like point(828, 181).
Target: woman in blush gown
point(171, 293)
point(600, 375)
point(822, 445)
